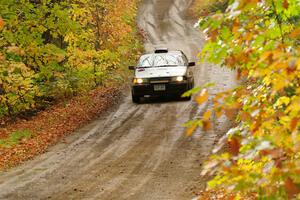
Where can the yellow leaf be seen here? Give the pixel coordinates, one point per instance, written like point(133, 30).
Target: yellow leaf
point(278, 82)
point(282, 101)
point(267, 80)
point(219, 112)
point(207, 115)
point(191, 130)
point(203, 97)
point(298, 64)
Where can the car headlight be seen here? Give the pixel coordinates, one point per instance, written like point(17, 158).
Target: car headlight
point(140, 80)
point(178, 78)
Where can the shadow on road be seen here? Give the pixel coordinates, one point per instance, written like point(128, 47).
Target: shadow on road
point(162, 100)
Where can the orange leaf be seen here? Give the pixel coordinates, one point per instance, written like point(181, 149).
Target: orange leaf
point(230, 113)
point(285, 4)
point(234, 146)
point(207, 125)
point(255, 126)
point(295, 33)
point(244, 116)
point(213, 35)
point(203, 97)
point(245, 73)
point(291, 188)
point(293, 124)
point(276, 153)
point(236, 26)
point(230, 61)
point(235, 29)
point(239, 74)
point(248, 36)
point(266, 55)
point(2, 23)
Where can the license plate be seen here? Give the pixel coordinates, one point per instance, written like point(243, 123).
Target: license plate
point(160, 87)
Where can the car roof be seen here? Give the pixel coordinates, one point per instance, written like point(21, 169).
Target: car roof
point(176, 52)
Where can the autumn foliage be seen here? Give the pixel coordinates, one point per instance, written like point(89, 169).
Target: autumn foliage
point(51, 50)
point(260, 40)
point(25, 139)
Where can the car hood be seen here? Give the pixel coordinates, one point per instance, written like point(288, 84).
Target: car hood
point(152, 72)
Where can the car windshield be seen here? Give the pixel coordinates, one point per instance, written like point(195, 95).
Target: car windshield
point(161, 60)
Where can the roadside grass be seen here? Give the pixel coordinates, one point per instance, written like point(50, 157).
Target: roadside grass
point(15, 138)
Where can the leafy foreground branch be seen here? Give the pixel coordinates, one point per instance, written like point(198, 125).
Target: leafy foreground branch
point(261, 41)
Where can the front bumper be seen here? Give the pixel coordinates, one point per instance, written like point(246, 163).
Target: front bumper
point(172, 88)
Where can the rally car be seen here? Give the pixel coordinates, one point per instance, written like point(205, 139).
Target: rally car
point(162, 73)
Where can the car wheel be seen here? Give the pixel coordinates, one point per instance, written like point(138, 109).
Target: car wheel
point(135, 99)
point(192, 84)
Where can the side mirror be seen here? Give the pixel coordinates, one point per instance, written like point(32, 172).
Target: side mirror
point(131, 67)
point(191, 64)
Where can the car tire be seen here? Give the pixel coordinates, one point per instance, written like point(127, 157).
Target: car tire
point(192, 84)
point(135, 99)
point(186, 98)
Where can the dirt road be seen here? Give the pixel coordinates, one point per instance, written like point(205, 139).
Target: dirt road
point(133, 151)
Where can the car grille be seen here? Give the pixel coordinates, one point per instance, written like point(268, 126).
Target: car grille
point(160, 80)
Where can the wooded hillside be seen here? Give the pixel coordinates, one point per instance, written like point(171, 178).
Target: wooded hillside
point(51, 50)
